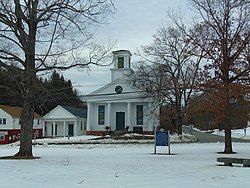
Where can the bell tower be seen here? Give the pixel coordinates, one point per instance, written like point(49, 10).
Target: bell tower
point(121, 64)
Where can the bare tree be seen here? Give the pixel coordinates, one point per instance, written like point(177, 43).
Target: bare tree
point(170, 73)
point(42, 35)
point(223, 33)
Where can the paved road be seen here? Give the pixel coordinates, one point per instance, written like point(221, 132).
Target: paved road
point(208, 137)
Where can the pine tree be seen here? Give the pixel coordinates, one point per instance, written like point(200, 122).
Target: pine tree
point(49, 92)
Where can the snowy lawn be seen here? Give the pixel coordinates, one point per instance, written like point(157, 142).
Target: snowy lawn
point(118, 166)
point(59, 140)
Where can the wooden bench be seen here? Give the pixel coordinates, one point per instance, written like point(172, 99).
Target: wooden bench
point(228, 161)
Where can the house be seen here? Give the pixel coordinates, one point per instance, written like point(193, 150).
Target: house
point(65, 121)
point(119, 104)
point(10, 124)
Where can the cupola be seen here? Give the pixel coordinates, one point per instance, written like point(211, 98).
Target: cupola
point(121, 64)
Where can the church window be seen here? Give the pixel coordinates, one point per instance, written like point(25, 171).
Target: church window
point(139, 114)
point(101, 115)
point(120, 62)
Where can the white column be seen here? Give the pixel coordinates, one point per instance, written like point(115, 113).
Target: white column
point(89, 116)
point(108, 115)
point(44, 125)
point(54, 129)
point(64, 128)
point(149, 105)
point(75, 128)
point(129, 115)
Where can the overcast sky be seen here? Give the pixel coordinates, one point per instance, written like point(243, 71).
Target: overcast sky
point(132, 26)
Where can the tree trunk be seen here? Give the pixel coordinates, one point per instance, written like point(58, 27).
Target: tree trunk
point(179, 128)
point(25, 150)
point(228, 129)
point(179, 119)
point(27, 88)
point(228, 141)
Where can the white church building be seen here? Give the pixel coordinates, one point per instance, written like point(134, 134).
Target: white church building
point(119, 104)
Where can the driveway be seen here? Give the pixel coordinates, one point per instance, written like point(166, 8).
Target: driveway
point(208, 137)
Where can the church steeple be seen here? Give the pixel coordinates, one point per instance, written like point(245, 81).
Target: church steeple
point(121, 64)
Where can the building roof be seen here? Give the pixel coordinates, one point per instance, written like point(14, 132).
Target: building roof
point(122, 51)
point(15, 111)
point(78, 112)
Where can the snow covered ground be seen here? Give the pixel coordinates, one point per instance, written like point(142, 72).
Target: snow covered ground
point(59, 140)
point(237, 133)
point(119, 166)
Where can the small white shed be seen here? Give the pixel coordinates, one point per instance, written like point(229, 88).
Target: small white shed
point(65, 121)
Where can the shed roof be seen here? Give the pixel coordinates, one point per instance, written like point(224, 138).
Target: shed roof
point(78, 112)
point(122, 51)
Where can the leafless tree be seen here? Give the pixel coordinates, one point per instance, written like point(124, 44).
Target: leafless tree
point(170, 70)
point(42, 35)
point(223, 33)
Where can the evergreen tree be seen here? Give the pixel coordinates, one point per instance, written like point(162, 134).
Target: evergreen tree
point(49, 92)
point(59, 91)
point(10, 94)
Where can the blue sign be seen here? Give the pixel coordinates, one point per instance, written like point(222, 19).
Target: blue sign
point(162, 138)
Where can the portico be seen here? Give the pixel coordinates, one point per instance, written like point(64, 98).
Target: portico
point(111, 115)
point(62, 128)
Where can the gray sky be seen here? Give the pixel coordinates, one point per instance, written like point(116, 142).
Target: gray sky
point(131, 27)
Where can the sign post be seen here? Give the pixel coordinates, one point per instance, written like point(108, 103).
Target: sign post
point(155, 140)
point(162, 138)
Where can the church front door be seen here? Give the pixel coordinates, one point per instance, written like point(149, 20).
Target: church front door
point(120, 121)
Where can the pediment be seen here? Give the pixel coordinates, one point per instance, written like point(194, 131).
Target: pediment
point(110, 88)
point(59, 113)
point(108, 93)
point(4, 114)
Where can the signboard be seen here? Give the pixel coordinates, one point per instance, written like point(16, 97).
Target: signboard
point(162, 138)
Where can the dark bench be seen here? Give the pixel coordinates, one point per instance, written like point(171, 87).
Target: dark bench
point(228, 161)
point(138, 129)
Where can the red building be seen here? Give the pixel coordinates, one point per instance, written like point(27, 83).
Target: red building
point(10, 124)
